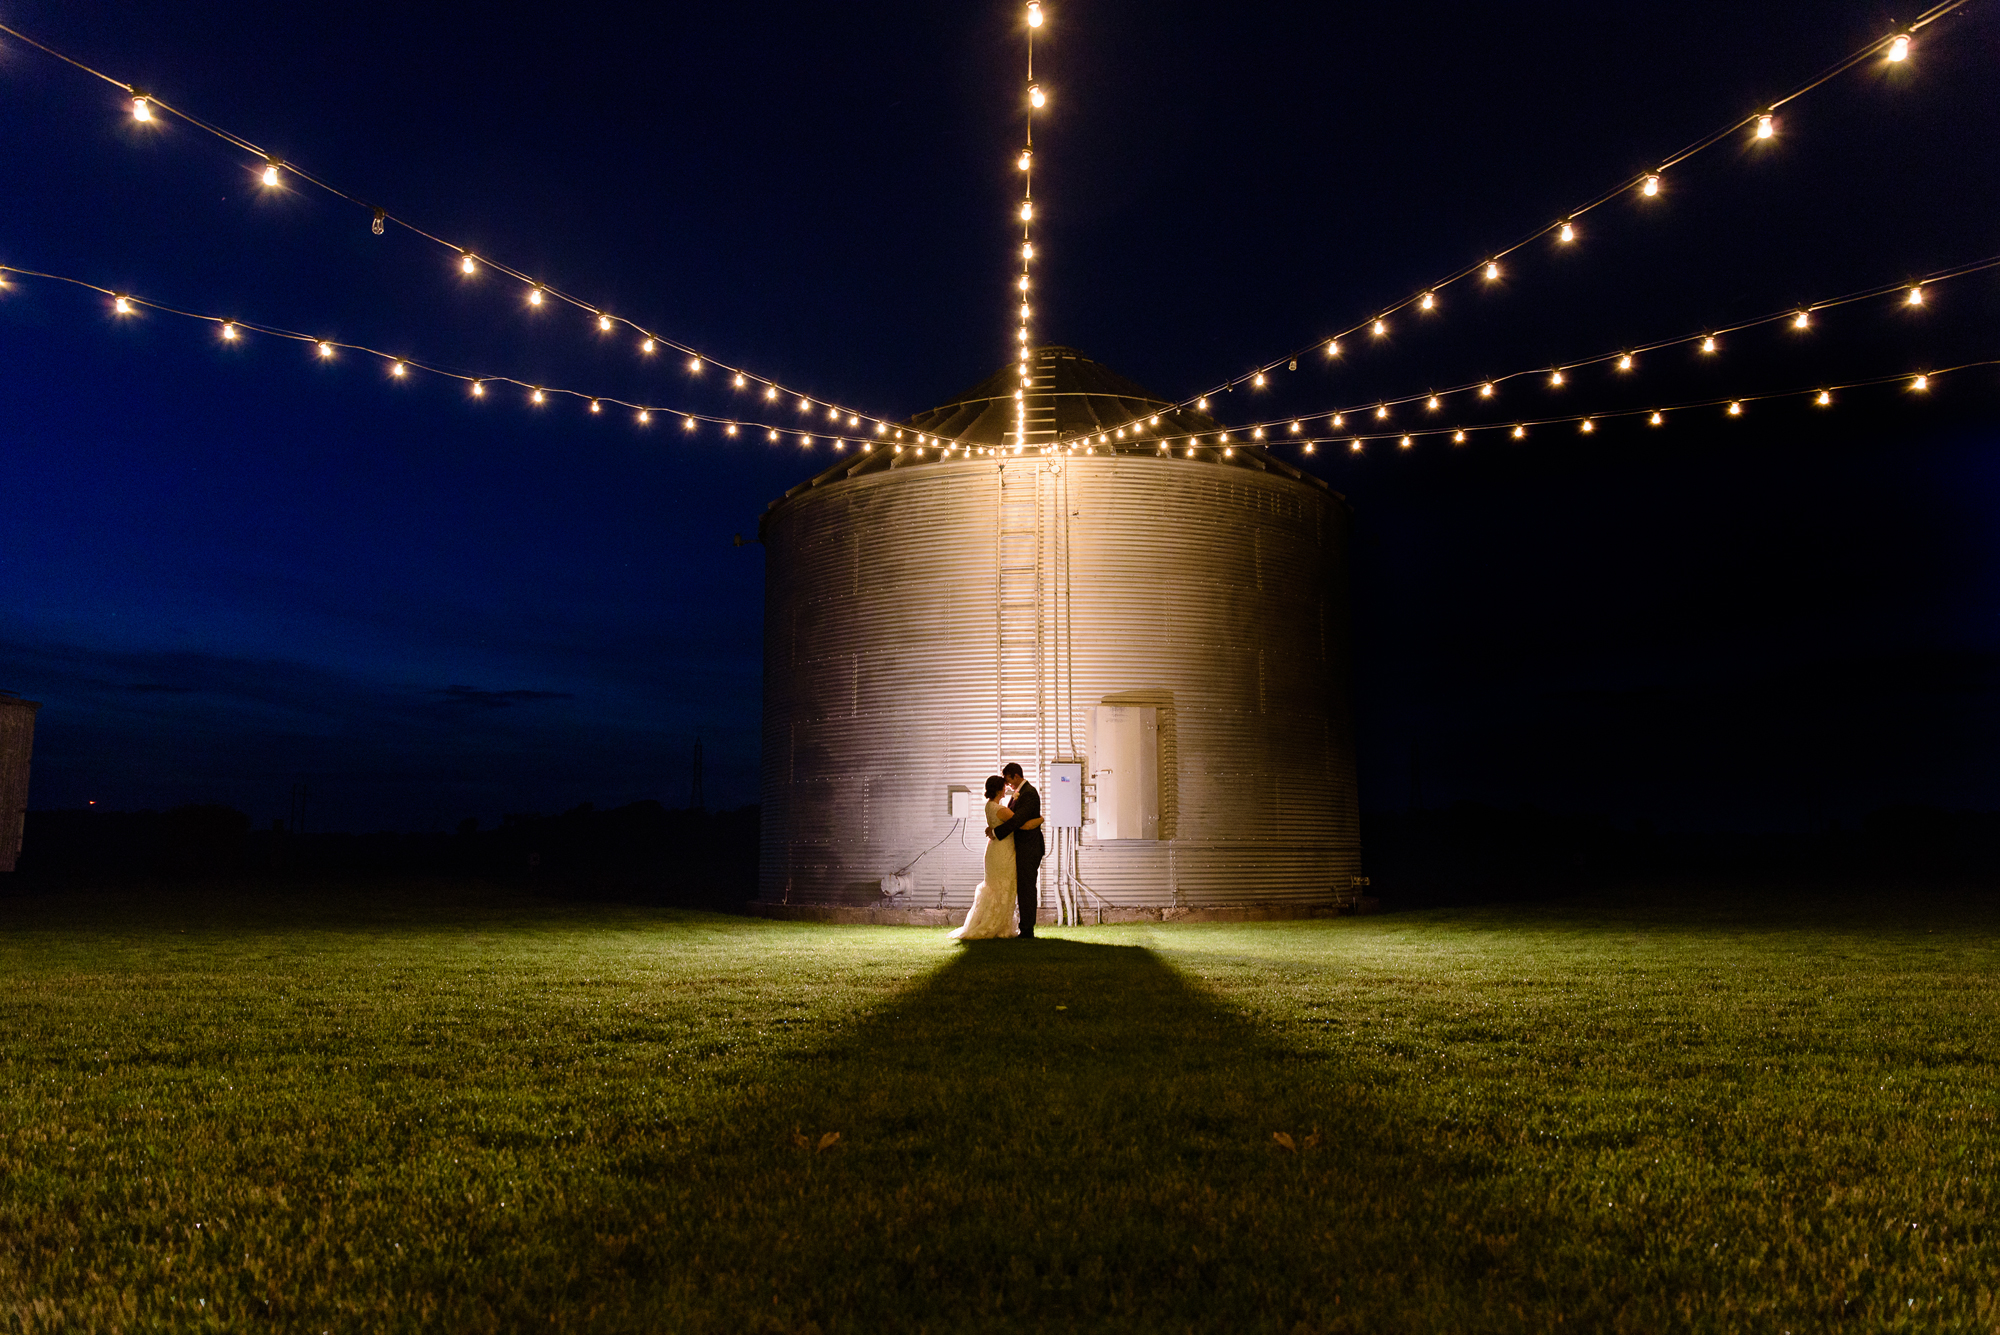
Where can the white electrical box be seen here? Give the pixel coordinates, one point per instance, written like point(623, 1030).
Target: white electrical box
point(958, 800)
point(1125, 770)
point(1062, 801)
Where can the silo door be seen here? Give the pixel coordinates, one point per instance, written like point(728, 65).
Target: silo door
point(1125, 771)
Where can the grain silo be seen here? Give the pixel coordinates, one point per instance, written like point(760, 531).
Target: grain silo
point(1157, 628)
point(17, 742)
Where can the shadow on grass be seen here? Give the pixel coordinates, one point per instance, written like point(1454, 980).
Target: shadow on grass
point(1036, 1136)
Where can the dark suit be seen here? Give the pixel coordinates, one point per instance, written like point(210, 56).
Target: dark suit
point(1028, 851)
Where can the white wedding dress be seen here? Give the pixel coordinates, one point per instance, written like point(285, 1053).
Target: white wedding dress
point(993, 905)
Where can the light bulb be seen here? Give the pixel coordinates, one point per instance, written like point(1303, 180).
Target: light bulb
point(1296, 428)
point(729, 430)
point(1736, 410)
point(1257, 434)
point(1587, 427)
point(122, 306)
point(1486, 390)
point(1899, 47)
point(771, 393)
point(1259, 381)
point(1228, 452)
point(1022, 335)
point(1355, 445)
point(1024, 311)
point(1916, 297)
point(1035, 97)
point(1309, 447)
point(1766, 126)
point(1340, 419)
point(1432, 403)
point(1404, 442)
point(879, 428)
point(465, 264)
point(1825, 400)
point(1202, 405)
point(270, 173)
point(1190, 451)
point(535, 297)
point(687, 424)
point(1921, 382)
point(1034, 13)
point(833, 414)
point(1801, 320)
point(1519, 432)
point(1492, 270)
point(1651, 187)
point(1625, 362)
point(1333, 347)
point(805, 442)
point(1381, 412)
point(772, 436)
point(596, 407)
point(647, 346)
point(1025, 158)
point(645, 418)
point(326, 349)
point(1027, 209)
point(1458, 438)
point(1022, 283)
point(604, 323)
point(1429, 302)
point(1708, 344)
point(536, 396)
point(694, 366)
point(739, 382)
point(1381, 327)
point(805, 404)
point(1154, 420)
point(1568, 233)
point(1027, 250)
point(1556, 378)
point(398, 369)
point(229, 332)
point(142, 109)
point(478, 390)
point(1657, 419)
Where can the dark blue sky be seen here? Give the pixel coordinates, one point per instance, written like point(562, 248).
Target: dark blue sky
point(229, 570)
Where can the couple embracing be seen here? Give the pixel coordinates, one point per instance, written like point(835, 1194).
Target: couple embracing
point(1013, 861)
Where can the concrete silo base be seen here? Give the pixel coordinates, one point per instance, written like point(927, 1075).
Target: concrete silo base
point(845, 915)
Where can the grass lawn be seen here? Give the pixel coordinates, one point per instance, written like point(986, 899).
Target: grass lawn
point(424, 1107)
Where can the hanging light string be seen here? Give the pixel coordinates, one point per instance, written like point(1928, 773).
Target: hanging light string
point(1023, 340)
point(1907, 293)
point(839, 430)
point(275, 171)
point(1761, 123)
point(1820, 395)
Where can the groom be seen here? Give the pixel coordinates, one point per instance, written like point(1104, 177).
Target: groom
point(1028, 847)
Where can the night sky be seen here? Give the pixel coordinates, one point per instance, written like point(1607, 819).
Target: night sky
point(227, 570)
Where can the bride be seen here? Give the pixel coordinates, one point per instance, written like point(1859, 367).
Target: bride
point(993, 904)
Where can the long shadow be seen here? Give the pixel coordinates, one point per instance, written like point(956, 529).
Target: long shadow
point(1053, 1135)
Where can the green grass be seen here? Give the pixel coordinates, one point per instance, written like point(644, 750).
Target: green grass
point(425, 1109)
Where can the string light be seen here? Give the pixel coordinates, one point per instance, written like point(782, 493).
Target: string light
point(1567, 234)
point(1432, 403)
point(1899, 47)
point(1921, 383)
point(478, 390)
point(229, 332)
point(1429, 302)
point(1035, 97)
point(1492, 270)
point(142, 111)
point(1802, 320)
point(534, 296)
point(596, 407)
point(1587, 426)
point(604, 323)
point(1556, 378)
point(326, 349)
point(687, 424)
point(1405, 442)
point(1339, 420)
point(1625, 362)
point(1520, 432)
point(400, 370)
point(1650, 187)
point(1458, 437)
point(1736, 410)
point(1767, 125)
point(1333, 347)
point(1381, 412)
point(647, 346)
point(645, 418)
point(1034, 13)
point(270, 173)
point(1296, 428)
point(465, 264)
point(1381, 327)
point(739, 382)
point(1658, 419)
point(121, 305)
point(1355, 445)
point(1916, 297)
point(1708, 344)
point(1824, 400)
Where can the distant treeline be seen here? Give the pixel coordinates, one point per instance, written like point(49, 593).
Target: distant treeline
point(691, 858)
point(1469, 852)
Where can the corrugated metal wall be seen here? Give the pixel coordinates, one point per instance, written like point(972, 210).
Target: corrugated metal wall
point(927, 623)
point(17, 742)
